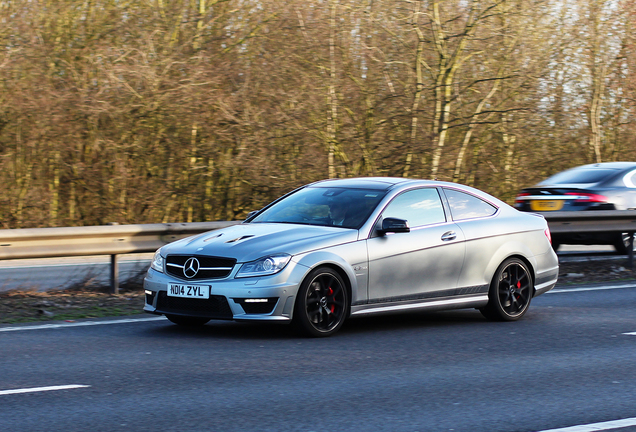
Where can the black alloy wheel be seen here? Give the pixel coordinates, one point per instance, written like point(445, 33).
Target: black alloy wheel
point(187, 321)
point(322, 303)
point(621, 243)
point(510, 292)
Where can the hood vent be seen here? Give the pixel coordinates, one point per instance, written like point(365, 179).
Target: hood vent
point(239, 239)
point(213, 237)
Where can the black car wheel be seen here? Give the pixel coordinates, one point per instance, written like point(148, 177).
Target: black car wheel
point(621, 244)
point(187, 321)
point(510, 292)
point(322, 303)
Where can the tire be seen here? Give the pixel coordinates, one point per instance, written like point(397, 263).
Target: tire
point(510, 293)
point(187, 321)
point(555, 246)
point(322, 303)
point(621, 243)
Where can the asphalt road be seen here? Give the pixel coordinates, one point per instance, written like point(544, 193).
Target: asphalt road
point(570, 361)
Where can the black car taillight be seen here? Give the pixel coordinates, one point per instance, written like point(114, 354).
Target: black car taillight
point(518, 199)
point(588, 197)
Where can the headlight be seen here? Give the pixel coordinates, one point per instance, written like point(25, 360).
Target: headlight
point(264, 266)
point(157, 262)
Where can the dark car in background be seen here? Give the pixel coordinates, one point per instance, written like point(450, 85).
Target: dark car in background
point(600, 186)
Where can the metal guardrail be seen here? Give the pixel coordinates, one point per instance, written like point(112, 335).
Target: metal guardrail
point(591, 221)
point(110, 240)
point(117, 240)
point(597, 221)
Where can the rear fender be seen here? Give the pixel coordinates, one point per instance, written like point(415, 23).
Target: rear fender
point(508, 250)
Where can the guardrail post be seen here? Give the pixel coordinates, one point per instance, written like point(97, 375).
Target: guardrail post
point(114, 275)
point(630, 251)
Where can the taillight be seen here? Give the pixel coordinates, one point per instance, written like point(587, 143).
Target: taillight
point(548, 235)
point(588, 197)
point(518, 199)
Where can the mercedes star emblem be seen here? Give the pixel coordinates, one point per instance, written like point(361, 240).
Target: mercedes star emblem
point(191, 268)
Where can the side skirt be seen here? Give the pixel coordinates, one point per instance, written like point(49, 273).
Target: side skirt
point(475, 301)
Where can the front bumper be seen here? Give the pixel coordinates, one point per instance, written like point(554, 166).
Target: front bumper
point(228, 295)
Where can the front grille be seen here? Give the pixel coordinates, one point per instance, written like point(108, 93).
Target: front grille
point(209, 267)
point(216, 307)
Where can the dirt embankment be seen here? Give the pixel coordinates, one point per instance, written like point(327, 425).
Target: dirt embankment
point(595, 271)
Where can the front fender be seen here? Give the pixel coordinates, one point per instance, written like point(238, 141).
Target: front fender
point(343, 258)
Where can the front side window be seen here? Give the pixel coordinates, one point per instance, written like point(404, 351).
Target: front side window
point(467, 206)
point(419, 207)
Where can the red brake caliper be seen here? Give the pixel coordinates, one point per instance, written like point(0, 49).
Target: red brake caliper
point(518, 287)
point(331, 306)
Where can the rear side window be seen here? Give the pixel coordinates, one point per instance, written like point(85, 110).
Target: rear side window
point(467, 206)
point(419, 207)
point(579, 176)
point(629, 179)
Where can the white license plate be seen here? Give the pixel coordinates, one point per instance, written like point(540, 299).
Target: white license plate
point(189, 291)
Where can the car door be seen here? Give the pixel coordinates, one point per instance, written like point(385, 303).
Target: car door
point(423, 263)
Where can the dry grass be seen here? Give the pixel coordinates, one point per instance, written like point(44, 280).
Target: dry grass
point(29, 306)
point(595, 272)
point(82, 300)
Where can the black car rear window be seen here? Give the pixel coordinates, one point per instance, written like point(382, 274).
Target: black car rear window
point(579, 176)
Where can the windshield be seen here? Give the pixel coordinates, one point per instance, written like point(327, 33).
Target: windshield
point(347, 208)
point(579, 176)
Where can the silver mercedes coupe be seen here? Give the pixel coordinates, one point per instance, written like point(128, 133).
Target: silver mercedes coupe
point(342, 248)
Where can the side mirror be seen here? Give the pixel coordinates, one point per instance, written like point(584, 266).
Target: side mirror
point(251, 214)
point(394, 225)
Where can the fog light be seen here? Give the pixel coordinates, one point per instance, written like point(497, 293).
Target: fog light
point(149, 292)
point(262, 306)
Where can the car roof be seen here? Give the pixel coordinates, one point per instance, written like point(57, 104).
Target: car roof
point(387, 183)
point(376, 183)
point(607, 165)
point(598, 174)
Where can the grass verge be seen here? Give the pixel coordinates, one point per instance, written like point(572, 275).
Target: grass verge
point(83, 300)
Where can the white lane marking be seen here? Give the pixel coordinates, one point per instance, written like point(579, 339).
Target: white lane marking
point(42, 389)
point(597, 288)
point(80, 324)
point(630, 334)
point(593, 427)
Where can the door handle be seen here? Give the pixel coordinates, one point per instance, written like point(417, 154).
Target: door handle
point(448, 236)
